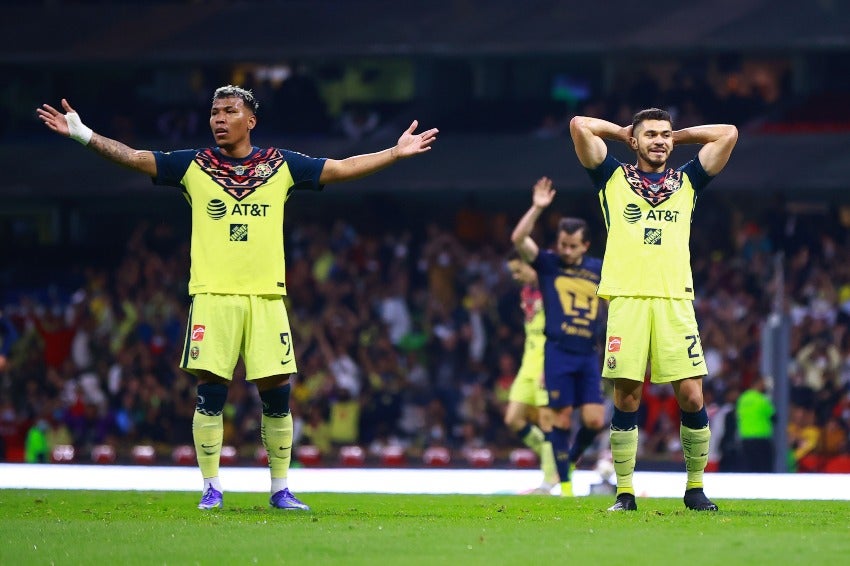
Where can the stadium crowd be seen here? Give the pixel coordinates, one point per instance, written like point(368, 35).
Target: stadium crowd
point(411, 337)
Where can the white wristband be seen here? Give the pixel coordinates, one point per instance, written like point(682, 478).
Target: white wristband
point(77, 130)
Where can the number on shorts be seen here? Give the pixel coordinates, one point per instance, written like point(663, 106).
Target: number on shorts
point(287, 343)
point(694, 341)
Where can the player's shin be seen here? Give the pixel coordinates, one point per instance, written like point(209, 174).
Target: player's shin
point(547, 462)
point(532, 437)
point(561, 448)
point(208, 430)
point(584, 439)
point(624, 445)
point(695, 435)
point(276, 431)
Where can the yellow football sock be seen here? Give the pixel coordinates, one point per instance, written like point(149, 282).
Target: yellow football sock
point(547, 464)
point(208, 433)
point(695, 449)
point(624, 445)
point(277, 438)
point(534, 439)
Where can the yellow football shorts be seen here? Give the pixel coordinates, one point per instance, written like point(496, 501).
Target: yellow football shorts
point(528, 388)
point(223, 327)
point(663, 331)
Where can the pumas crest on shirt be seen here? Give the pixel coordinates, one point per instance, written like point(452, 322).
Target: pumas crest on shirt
point(240, 179)
point(653, 192)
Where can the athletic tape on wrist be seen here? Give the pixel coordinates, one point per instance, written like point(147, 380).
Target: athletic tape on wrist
point(77, 130)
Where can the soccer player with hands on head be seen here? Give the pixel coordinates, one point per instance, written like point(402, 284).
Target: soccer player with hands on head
point(237, 193)
point(646, 276)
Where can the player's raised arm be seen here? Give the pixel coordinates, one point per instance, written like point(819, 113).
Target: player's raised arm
point(589, 135)
point(355, 167)
point(521, 237)
point(70, 125)
point(718, 140)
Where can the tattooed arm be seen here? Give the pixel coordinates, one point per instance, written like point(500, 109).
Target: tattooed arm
point(70, 125)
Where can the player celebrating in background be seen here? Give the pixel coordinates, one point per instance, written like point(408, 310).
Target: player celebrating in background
point(647, 277)
point(568, 281)
point(237, 281)
point(527, 398)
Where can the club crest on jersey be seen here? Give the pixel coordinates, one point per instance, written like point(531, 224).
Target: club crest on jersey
point(611, 362)
point(198, 331)
point(263, 171)
point(673, 183)
point(195, 352)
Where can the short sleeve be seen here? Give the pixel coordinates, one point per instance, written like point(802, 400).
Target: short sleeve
point(603, 172)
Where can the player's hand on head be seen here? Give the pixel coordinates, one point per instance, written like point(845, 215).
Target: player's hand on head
point(411, 143)
point(543, 192)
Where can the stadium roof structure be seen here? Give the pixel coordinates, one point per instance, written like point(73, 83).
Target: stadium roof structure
point(221, 31)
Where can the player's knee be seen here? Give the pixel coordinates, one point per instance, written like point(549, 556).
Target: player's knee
point(276, 401)
point(513, 422)
point(564, 418)
point(690, 401)
point(211, 398)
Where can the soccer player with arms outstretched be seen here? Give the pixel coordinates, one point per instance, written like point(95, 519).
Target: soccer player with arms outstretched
point(237, 280)
point(647, 278)
point(567, 279)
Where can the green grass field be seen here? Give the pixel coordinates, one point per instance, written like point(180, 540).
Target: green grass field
point(100, 527)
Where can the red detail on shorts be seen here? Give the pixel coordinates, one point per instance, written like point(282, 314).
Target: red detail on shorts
point(614, 343)
point(198, 331)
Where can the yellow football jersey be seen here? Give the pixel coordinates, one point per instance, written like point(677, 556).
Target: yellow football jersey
point(238, 214)
point(648, 217)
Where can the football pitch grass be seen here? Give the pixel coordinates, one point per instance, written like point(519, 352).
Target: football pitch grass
point(136, 527)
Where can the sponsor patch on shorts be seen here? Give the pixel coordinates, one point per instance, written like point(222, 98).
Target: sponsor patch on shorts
point(198, 332)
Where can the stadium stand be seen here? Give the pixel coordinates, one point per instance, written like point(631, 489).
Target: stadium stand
point(100, 316)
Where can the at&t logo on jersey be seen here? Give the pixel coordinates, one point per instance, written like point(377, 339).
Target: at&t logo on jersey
point(663, 215)
point(631, 213)
point(198, 331)
point(216, 209)
point(249, 209)
point(614, 343)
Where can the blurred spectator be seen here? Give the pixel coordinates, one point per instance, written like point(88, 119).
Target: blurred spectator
point(37, 447)
point(755, 427)
point(803, 438)
point(8, 336)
